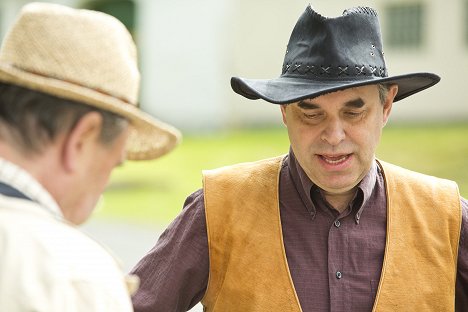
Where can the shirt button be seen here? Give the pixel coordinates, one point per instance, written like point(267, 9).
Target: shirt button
point(339, 275)
point(337, 223)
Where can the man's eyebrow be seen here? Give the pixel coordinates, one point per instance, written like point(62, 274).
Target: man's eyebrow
point(357, 103)
point(305, 105)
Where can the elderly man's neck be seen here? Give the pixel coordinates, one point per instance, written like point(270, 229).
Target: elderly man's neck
point(42, 166)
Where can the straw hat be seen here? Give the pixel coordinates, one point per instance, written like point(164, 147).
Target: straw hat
point(330, 54)
point(85, 56)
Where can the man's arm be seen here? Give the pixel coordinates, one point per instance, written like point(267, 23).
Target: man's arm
point(461, 292)
point(174, 274)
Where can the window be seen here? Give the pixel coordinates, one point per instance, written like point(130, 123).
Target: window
point(405, 23)
point(123, 10)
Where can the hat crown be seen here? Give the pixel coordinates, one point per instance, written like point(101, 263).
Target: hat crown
point(344, 47)
point(81, 47)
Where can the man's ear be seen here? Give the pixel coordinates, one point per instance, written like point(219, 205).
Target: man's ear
point(387, 106)
point(80, 142)
point(283, 113)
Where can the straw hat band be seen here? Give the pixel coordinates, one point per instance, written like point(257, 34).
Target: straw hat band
point(62, 79)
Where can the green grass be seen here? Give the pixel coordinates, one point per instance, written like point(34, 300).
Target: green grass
point(154, 191)
point(439, 150)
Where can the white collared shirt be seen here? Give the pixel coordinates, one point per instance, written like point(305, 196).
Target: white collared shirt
point(46, 264)
point(21, 180)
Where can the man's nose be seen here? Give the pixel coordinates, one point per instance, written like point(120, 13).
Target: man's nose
point(333, 133)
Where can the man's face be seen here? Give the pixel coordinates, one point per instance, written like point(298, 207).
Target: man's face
point(93, 180)
point(334, 136)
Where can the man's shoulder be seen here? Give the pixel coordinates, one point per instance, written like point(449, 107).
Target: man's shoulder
point(83, 256)
point(409, 175)
point(407, 185)
point(42, 255)
point(39, 239)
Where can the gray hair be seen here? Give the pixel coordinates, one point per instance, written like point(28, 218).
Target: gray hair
point(383, 91)
point(30, 119)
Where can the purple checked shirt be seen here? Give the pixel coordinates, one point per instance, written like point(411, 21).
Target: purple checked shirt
point(335, 259)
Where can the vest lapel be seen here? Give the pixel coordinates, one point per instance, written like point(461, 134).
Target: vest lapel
point(423, 229)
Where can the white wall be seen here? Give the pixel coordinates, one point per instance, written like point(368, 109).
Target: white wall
point(184, 54)
point(445, 53)
point(262, 29)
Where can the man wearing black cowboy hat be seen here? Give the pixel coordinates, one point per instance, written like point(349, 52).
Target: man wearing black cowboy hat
point(326, 227)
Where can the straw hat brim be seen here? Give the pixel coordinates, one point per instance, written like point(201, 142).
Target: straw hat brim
point(285, 90)
point(150, 137)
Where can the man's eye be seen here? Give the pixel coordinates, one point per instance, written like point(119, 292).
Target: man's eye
point(313, 116)
point(353, 114)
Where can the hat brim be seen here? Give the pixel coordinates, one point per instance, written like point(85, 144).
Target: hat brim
point(285, 90)
point(149, 139)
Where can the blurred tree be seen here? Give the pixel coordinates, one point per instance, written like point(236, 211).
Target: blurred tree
point(123, 10)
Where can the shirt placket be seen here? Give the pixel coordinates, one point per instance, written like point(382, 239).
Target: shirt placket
point(337, 253)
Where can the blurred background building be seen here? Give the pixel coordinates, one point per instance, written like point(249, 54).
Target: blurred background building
point(188, 50)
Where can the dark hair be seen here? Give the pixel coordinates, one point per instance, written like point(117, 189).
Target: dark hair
point(32, 119)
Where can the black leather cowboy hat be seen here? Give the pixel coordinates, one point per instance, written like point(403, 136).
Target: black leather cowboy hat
point(330, 54)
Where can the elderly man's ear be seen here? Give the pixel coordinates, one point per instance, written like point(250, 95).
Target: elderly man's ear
point(80, 143)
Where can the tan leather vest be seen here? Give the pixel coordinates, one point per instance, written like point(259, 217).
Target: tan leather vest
point(248, 265)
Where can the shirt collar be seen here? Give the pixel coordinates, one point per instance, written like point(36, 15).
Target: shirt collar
point(21, 180)
point(304, 185)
